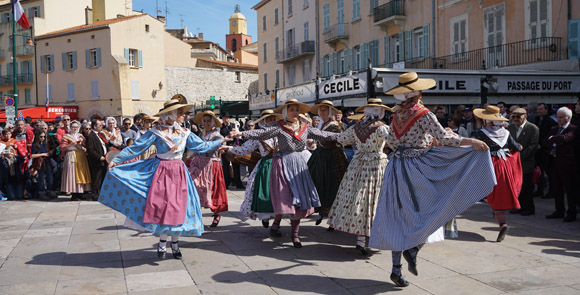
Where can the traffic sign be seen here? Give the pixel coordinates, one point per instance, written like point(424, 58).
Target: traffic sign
point(20, 118)
point(9, 101)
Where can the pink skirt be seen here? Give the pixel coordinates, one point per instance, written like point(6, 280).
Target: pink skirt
point(208, 177)
point(281, 193)
point(167, 197)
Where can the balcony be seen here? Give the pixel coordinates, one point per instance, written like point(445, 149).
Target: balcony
point(336, 33)
point(296, 51)
point(389, 14)
point(2, 54)
point(506, 55)
point(24, 51)
point(25, 78)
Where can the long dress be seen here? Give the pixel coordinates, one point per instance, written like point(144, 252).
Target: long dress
point(292, 190)
point(327, 166)
point(208, 176)
point(424, 187)
point(355, 205)
point(76, 177)
point(507, 166)
point(257, 202)
point(157, 194)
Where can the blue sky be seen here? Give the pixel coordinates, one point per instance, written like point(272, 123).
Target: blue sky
point(207, 16)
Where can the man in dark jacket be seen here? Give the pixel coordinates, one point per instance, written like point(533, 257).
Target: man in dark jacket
point(545, 124)
point(96, 151)
point(560, 142)
point(526, 134)
point(225, 130)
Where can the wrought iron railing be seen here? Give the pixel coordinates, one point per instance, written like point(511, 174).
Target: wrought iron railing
point(338, 31)
point(25, 78)
point(389, 9)
point(24, 51)
point(510, 54)
point(296, 50)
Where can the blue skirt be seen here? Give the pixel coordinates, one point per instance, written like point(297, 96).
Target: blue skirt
point(420, 194)
point(126, 187)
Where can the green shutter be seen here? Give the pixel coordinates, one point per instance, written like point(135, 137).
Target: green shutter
point(387, 51)
point(27, 95)
point(331, 67)
point(127, 54)
point(64, 67)
point(426, 52)
point(74, 58)
point(51, 66)
point(98, 57)
point(401, 55)
point(88, 58)
point(140, 58)
point(574, 38)
point(408, 51)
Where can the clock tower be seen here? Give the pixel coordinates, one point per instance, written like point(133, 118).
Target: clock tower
point(238, 36)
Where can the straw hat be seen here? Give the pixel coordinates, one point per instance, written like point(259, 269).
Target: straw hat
point(267, 113)
point(373, 102)
point(409, 82)
point(328, 103)
point(199, 116)
point(356, 117)
point(304, 108)
point(180, 98)
point(172, 105)
point(302, 116)
point(489, 113)
point(147, 118)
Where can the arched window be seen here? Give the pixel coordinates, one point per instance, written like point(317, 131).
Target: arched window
point(246, 42)
point(234, 45)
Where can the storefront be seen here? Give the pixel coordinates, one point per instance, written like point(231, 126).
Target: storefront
point(347, 91)
point(48, 114)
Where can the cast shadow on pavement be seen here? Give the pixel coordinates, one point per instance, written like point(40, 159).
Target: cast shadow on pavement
point(103, 259)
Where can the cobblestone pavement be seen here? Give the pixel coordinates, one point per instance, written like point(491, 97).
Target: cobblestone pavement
point(64, 247)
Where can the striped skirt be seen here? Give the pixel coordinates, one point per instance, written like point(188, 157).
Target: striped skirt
point(420, 194)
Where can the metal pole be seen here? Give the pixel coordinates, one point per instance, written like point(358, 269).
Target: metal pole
point(14, 69)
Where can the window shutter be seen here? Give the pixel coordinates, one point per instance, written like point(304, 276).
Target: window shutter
point(21, 68)
point(401, 55)
point(51, 66)
point(331, 67)
point(365, 56)
point(336, 63)
point(408, 37)
point(387, 51)
point(321, 65)
point(375, 53)
point(42, 62)
point(140, 57)
point(98, 57)
point(74, 57)
point(127, 54)
point(348, 59)
point(64, 67)
point(426, 40)
point(88, 58)
point(573, 38)
point(27, 95)
point(30, 68)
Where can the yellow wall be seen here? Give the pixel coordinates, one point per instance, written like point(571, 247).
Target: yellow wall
point(177, 52)
point(245, 57)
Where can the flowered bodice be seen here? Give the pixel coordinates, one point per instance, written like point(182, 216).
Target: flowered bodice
point(168, 147)
point(422, 132)
point(330, 126)
point(370, 138)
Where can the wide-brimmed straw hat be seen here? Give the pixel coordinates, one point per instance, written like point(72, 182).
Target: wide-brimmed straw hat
point(266, 114)
point(151, 119)
point(490, 113)
point(172, 105)
point(303, 116)
point(356, 117)
point(328, 103)
point(199, 116)
point(304, 108)
point(373, 102)
point(409, 82)
point(181, 98)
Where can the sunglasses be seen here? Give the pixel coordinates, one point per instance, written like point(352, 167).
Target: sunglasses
point(87, 128)
point(42, 136)
point(66, 119)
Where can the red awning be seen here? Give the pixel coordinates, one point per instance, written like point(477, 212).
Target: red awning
point(48, 114)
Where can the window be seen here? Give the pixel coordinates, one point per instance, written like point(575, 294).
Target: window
point(234, 45)
point(277, 47)
point(264, 23)
point(306, 33)
point(69, 61)
point(34, 12)
point(6, 17)
point(327, 65)
point(291, 75)
point(277, 78)
point(94, 89)
point(265, 82)
point(418, 43)
point(357, 58)
point(305, 4)
point(47, 63)
point(146, 28)
point(134, 57)
point(341, 62)
point(459, 43)
point(374, 52)
point(374, 4)
point(355, 10)
point(135, 89)
point(265, 53)
point(340, 11)
point(289, 7)
point(71, 91)
point(276, 16)
point(538, 20)
point(573, 38)
point(238, 77)
point(93, 57)
point(326, 17)
point(26, 95)
point(306, 73)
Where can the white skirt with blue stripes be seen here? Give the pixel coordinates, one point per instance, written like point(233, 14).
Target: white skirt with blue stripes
point(421, 193)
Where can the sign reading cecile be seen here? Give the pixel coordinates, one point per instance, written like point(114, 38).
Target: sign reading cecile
point(343, 86)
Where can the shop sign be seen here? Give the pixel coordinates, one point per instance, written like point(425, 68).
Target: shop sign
point(262, 101)
point(538, 84)
point(344, 86)
point(444, 83)
point(303, 93)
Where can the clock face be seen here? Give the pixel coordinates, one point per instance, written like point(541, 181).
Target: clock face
point(234, 23)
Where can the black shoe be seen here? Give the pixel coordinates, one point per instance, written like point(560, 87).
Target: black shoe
point(411, 261)
point(362, 250)
point(216, 221)
point(528, 213)
point(161, 252)
point(318, 220)
point(399, 280)
point(516, 211)
point(330, 228)
point(176, 253)
point(569, 218)
point(265, 223)
point(275, 232)
point(296, 242)
point(555, 215)
point(502, 232)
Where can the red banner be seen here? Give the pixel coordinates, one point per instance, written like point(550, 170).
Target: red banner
point(48, 114)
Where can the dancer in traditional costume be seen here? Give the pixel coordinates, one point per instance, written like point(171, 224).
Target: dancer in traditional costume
point(327, 164)
point(506, 162)
point(158, 194)
point(206, 168)
point(355, 205)
point(76, 177)
point(257, 202)
point(291, 187)
point(424, 187)
point(146, 125)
